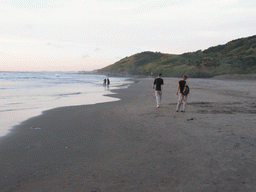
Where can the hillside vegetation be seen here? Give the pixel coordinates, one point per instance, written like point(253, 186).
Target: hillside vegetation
point(235, 57)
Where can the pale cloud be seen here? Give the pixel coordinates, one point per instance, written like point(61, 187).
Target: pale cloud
point(85, 56)
point(33, 4)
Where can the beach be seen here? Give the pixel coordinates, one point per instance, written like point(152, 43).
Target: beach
point(130, 145)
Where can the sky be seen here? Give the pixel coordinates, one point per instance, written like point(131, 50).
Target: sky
point(77, 35)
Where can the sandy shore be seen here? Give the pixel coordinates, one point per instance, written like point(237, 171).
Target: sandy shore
point(130, 145)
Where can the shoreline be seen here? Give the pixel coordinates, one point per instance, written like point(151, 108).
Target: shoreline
point(130, 145)
point(22, 115)
point(231, 77)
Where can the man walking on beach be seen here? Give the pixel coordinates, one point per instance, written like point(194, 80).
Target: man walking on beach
point(158, 84)
point(182, 97)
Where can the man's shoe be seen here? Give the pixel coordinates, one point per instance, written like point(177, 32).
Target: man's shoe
point(157, 106)
point(177, 110)
point(182, 111)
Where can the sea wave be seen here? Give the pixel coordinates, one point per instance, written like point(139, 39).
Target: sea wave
point(67, 94)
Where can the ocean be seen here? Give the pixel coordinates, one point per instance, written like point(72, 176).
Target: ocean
point(27, 94)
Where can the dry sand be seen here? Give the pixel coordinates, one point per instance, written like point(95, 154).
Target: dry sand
point(130, 145)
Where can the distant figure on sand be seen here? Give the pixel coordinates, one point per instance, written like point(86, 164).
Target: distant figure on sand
point(104, 81)
point(158, 84)
point(182, 97)
point(108, 82)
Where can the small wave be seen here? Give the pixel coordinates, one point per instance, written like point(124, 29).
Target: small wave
point(67, 94)
point(19, 109)
point(14, 103)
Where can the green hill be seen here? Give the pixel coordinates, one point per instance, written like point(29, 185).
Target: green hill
point(235, 57)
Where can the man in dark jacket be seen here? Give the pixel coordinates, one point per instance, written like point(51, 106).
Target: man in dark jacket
point(158, 85)
point(182, 97)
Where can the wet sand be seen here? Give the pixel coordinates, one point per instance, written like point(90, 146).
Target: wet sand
point(130, 145)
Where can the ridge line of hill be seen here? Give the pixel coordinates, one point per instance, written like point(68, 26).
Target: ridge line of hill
point(237, 57)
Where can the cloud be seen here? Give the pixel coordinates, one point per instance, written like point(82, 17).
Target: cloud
point(33, 4)
point(53, 45)
point(85, 56)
